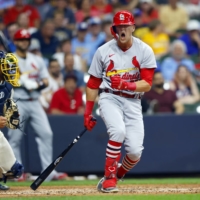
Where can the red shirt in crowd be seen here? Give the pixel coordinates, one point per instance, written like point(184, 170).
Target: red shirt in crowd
point(165, 100)
point(104, 10)
point(64, 103)
point(12, 14)
point(148, 18)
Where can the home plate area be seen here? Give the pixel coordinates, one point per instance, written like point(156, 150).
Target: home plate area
point(91, 190)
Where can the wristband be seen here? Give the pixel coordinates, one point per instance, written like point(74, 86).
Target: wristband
point(41, 86)
point(89, 107)
point(131, 86)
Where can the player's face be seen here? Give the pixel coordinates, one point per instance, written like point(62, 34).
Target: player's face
point(22, 45)
point(125, 32)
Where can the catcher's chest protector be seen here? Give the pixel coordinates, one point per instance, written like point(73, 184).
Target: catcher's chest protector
point(5, 92)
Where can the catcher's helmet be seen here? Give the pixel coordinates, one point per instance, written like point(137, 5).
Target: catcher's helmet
point(22, 34)
point(9, 68)
point(121, 18)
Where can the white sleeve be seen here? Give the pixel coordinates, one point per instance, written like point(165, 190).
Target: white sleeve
point(148, 60)
point(96, 68)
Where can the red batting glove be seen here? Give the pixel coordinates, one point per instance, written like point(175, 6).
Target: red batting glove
point(118, 83)
point(88, 122)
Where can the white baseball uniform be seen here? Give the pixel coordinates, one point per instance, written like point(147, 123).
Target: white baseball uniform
point(122, 116)
point(30, 108)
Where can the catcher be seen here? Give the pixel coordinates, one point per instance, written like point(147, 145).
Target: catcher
point(9, 117)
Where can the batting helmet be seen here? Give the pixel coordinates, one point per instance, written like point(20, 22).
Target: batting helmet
point(121, 18)
point(9, 68)
point(22, 34)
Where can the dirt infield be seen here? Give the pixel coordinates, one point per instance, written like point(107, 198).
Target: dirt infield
point(91, 190)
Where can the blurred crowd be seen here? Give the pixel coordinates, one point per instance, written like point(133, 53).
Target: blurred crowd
point(66, 34)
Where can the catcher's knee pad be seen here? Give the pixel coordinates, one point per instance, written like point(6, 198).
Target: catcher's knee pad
point(15, 172)
point(17, 169)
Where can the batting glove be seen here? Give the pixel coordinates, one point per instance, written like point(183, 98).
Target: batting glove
point(118, 83)
point(89, 123)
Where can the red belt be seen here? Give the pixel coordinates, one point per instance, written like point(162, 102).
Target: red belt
point(121, 94)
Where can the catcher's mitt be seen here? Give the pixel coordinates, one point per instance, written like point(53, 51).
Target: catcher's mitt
point(10, 111)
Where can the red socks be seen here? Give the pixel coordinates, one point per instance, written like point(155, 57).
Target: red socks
point(127, 165)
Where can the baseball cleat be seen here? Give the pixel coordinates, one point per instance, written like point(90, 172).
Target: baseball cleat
point(106, 190)
point(4, 187)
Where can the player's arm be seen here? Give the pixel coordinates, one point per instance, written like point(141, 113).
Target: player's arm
point(92, 90)
point(144, 85)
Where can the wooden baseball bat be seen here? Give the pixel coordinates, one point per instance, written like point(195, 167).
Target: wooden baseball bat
point(58, 159)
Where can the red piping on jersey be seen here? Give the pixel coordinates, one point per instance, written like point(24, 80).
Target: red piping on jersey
point(147, 75)
point(94, 82)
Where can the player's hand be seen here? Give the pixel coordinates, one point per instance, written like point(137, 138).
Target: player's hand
point(88, 122)
point(3, 121)
point(27, 83)
point(118, 83)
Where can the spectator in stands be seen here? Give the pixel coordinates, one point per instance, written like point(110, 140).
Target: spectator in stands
point(173, 17)
point(12, 14)
point(149, 12)
point(42, 7)
point(185, 86)
point(23, 23)
point(11, 29)
point(178, 56)
point(61, 6)
point(66, 48)
point(192, 38)
point(45, 36)
point(69, 70)
point(106, 29)
point(67, 100)
point(55, 83)
point(101, 7)
point(73, 5)
point(157, 39)
point(35, 47)
point(79, 44)
point(61, 32)
point(84, 12)
point(95, 36)
point(161, 100)
point(191, 6)
point(141, 29)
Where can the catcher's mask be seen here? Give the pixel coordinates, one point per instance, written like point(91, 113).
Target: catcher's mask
point(10, 68)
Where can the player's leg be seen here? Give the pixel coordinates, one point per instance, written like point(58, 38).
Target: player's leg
point(44, 139)
point(111, 111)
point(134, 136)
point(10, 167)
point(15, 136)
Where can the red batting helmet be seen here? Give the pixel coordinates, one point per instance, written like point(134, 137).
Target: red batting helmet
point(122, 18)
point(22, 34)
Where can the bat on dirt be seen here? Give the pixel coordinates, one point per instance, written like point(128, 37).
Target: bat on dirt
point(5, 42)
point(53, 165)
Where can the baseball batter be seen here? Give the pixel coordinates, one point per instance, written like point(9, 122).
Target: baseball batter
point(9, 76)
point(123, 69)
point(34, 78)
